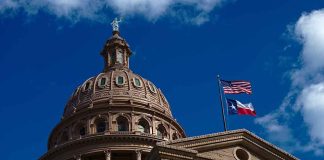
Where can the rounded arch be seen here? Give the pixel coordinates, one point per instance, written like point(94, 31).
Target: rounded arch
point(87, 85)
point(64, 137)
point(151, 87)
point(102, 81)
point(79, 129)
point(175, 136)
point(93, 119)
point(143, 117)
point(99, 124)
point(161, 123)
point(143, 126)
point(127, 116)
point(161, 131)
point(122, 123)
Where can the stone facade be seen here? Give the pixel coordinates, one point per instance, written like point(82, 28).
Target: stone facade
point(229, 145)
point(119, 115)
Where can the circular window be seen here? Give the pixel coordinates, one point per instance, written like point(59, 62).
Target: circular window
point(137, 82)
point(241, 154)
point(151, 87)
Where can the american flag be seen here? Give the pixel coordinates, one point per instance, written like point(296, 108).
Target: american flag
point(236, 87)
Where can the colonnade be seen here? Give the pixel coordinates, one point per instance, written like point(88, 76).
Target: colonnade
point(108, 155)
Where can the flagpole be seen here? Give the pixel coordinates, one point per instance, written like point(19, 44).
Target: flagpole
point(222, 104)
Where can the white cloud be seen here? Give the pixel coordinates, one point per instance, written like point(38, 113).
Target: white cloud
point(309, 29)
point(148, 8)
point(311, 101)
point(306, 96)
point(98, 10)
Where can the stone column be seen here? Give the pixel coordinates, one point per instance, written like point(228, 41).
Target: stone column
point(108, 154)
point(89, 127)
point(133, 126)
point(110, 124)
point(138, 155)
point(153, 126)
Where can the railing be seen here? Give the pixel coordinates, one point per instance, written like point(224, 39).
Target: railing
point(111, 133)
point(121, 132)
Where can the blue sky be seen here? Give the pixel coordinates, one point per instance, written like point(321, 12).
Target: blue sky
point(48, 48)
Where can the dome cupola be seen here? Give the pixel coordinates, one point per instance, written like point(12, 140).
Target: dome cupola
point(115, 114)
point(116, 51)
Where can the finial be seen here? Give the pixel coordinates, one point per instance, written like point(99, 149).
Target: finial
point(115, 24)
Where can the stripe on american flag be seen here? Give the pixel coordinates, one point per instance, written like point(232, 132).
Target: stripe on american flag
point(236, 87)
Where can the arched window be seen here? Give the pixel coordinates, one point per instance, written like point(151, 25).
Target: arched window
point(120, 80)
point(64, 137)
point(120, 56)
point(87, 86)
point(151, 87)
point(137, 82)
point(102, 82)
point(122, 124)
point(174, 136)
point(100, 125)
point(143, 126)
point(82, 130)
point(111, 58)
point(161, 132)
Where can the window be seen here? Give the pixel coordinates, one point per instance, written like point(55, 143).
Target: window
point(120, 80)
point(102, 82)
point(82, 131)
point(64, 137)
point(122, 124)
point(161, 132)
point(120, 58)
point(100, 125)
point(241, 154)
point(174, 136)
point(137, 82)
point(109, 59)
point(87, 86)
point(112, 58)
point(151, 87)
point(143, 126)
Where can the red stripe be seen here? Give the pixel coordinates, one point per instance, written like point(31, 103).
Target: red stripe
point(245, 111)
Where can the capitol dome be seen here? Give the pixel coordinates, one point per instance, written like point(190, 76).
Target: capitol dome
point(116, 113)
point(119, 86)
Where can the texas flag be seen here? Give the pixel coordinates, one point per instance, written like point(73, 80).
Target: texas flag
point(236, 107)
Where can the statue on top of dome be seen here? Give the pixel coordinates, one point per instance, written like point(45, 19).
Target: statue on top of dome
point(115, 24)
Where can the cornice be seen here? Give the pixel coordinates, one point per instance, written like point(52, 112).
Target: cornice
point(241, 136)
point(132, 139)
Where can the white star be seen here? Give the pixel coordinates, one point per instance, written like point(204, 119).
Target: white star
point(232, 106)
